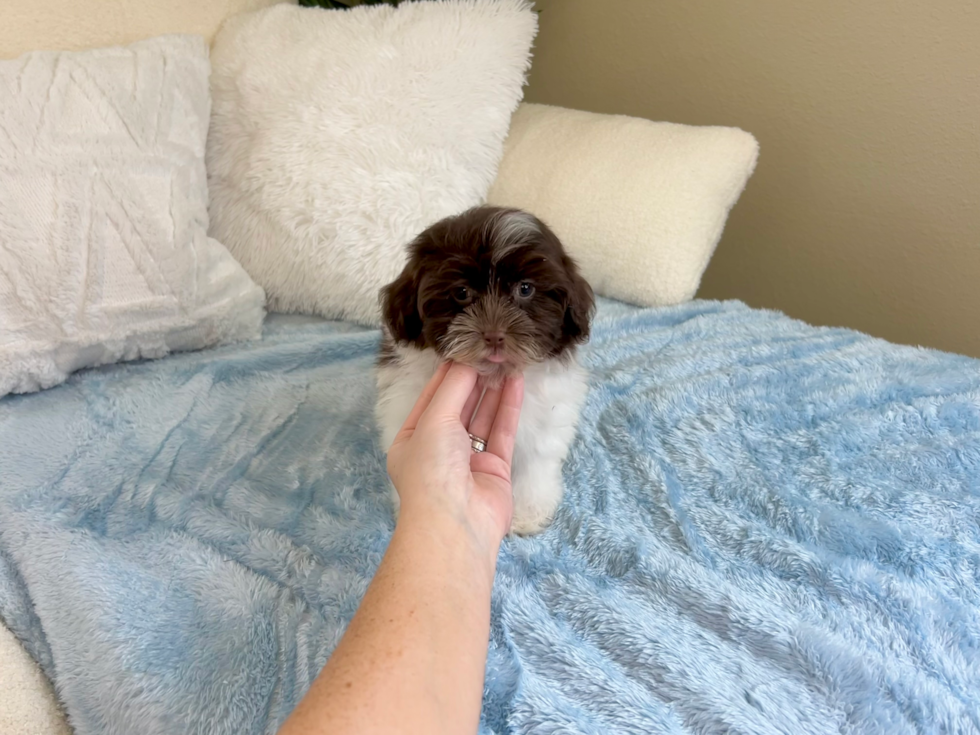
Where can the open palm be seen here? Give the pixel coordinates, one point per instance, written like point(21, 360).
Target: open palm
point(431, 461)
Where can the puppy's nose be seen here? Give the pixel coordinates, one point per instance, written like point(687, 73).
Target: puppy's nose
point(494, 340)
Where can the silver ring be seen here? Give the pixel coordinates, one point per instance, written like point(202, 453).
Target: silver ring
point(478, 444)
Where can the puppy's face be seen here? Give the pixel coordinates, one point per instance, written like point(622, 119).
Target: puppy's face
point(492, 288)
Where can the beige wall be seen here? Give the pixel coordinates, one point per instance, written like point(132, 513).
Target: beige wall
point(864, 210)
point(28, 25)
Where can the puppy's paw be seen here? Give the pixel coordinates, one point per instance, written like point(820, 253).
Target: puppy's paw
point(529, 524)
point(537, 495)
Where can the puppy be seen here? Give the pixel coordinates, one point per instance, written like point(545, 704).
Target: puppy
point(493, 288)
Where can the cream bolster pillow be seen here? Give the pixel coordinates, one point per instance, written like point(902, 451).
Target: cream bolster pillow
point(640, 205)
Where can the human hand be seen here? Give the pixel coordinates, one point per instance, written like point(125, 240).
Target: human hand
point(433, 466)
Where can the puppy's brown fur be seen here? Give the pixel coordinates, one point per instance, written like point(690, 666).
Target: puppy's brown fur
point(492, 288)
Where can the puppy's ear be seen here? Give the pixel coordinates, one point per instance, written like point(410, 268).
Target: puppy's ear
point(400, 309)
point(579, 305)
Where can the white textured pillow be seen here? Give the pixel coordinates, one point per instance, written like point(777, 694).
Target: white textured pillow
point(104, 254)
point(337, 136)
point(640, 205)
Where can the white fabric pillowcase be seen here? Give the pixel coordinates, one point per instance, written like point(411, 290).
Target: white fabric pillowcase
point(104, 254)
point(337, 136)
point(640, 205)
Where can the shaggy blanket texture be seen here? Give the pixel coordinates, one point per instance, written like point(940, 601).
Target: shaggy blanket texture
point(337, 137)
point(769, 528)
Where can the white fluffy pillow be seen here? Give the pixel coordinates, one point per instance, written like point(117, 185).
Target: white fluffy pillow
point(640, 205)
point(337, 136)
point(104, 254)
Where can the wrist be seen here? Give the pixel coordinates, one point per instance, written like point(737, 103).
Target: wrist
point(465, 537)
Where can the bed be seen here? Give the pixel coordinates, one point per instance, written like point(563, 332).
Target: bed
point(768, 528)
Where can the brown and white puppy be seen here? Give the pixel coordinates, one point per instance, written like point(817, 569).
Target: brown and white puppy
point(493, 288)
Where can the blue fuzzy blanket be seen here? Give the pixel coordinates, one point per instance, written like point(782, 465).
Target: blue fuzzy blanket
point(769, 528)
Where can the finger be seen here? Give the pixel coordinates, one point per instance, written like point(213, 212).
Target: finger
point(470, 408)
point(425, 398)
point(483, 421)
point(452, 394)
point(504, 431)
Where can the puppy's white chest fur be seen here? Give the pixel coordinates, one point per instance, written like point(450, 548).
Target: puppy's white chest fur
point(554, 391)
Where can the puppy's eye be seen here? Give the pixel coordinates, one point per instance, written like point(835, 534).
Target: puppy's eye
point(461, 294)
point(525, 289)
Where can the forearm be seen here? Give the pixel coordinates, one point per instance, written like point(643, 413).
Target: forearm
point(413, 658)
